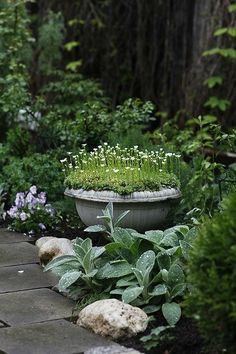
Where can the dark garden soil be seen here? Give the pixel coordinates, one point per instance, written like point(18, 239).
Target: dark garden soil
point(183, 339)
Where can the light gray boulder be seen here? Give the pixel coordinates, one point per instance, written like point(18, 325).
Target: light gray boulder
point(51, 247)
point(113, 349)
point(113, 318)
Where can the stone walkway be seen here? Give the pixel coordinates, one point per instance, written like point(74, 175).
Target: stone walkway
point(34, 319)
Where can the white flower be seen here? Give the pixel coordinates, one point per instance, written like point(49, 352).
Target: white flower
point(115, 170)
point(33, 189)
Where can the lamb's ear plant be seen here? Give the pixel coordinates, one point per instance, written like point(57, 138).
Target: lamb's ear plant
point(78, 272)
point(145, 270)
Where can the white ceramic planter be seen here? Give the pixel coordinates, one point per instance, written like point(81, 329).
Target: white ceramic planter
point(148, 210)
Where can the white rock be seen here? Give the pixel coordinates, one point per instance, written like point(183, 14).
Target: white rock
point(43, 240)
point(54, 247)
point(113, 318)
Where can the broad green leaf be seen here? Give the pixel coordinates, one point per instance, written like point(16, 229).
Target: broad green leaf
point(152, 237)
point(135, 248)
point(126, 283)
point(71, 45)
point(232, 31)
point(170, 239)
point(73, 65)
point(113, 246)
point(220, 31)
point(87, 244)
point(95, 228)
point(176, 275)
point(212, 82)
point(114, 270)
point(59, 261)
point(139, 275)
point(177, 290)
point(185, 247)
point(172, 312)
point(97, 251)
point(232, 7)
point(123, 236)
point(172, 250)
point(121, 217)
point(109, 210)
point(154, 332)
point(159, 289)
point(117, 291)
point(125, 279)
point(68, 279)
point(215, 102)
point(146, 262)
point(130, 294)
point(155, 236)
point(87, 261)
point(79, 252)
point(151, 308)
point(164, 261)
point(91, 274)
point(165, 275)
point(182, 228)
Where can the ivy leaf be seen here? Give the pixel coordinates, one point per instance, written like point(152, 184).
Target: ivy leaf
point(172, 312)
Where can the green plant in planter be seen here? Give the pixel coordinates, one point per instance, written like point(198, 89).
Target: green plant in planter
point(121, 170)
point(145, 270)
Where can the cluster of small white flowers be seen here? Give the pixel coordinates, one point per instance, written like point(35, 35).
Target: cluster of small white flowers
point(117, 160)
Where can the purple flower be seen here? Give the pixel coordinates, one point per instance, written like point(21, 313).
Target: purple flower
point(33, 189)
point(20, 200)
point(13, 212)
point(31, 200)
point(42, 226)
point(23, 216)
point(42, 198)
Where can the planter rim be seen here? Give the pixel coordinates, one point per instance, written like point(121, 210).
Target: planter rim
point(110, 196)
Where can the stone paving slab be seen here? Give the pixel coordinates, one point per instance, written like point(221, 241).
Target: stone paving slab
point(7, 236)
point(18, 253)
point(53, 337)
point(32, 306)
point(24, 277)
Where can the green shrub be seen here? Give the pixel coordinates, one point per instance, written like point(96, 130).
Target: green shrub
point(19, 141)
point(42, 170)
point(212, 272)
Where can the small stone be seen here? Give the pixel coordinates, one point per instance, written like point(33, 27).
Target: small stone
point(53, 247)
point(113, 349)
point(113, 318)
